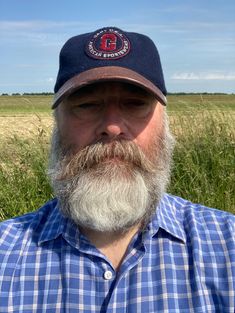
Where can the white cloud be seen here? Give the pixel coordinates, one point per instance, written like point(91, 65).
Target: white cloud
point(203, 76)
point(41, 33)
point(50, 80)
point(8, 26)
point(37, 25)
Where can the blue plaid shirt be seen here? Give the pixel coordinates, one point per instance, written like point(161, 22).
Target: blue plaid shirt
point(183, 262)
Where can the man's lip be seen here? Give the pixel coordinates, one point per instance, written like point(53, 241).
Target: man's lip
point(107, 141)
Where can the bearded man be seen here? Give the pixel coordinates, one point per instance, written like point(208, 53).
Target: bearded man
point(112, 240)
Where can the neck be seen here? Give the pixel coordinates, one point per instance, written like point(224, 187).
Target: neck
point(112, 244)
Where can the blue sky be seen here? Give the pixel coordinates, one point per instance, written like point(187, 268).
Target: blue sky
point(195, 38)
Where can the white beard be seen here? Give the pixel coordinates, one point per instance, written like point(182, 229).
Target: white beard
point(113, 195)
point(109, 205)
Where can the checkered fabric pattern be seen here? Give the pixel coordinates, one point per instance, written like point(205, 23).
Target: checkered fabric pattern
point(183, 262)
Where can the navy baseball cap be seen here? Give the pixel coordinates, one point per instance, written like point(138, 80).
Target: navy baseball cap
point(109, 54)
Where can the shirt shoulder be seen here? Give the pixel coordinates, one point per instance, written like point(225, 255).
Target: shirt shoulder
point(204, 224)
point(13, 231)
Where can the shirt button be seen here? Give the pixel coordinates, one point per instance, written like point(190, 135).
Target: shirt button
point(108, 275)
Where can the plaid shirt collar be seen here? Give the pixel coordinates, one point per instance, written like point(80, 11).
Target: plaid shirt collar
point(167, 217)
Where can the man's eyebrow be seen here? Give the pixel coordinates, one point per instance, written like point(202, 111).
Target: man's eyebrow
point(80, 94)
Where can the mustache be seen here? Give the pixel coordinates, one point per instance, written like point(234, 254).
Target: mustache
point(94, 155)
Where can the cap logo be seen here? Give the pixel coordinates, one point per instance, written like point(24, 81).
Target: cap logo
point(108, 43)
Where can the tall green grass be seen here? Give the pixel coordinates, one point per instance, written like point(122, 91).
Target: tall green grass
point(23, 180)
point(203, 171)
point(204, 160)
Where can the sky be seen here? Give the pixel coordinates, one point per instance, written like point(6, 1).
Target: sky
point(195, 39)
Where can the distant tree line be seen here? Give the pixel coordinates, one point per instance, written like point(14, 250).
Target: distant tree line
point(197, 93)
point(29, 94)
point(169, 93)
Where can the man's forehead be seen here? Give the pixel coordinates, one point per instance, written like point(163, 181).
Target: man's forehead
point(101, 87)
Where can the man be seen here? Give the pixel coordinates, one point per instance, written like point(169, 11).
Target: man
point(113, 240)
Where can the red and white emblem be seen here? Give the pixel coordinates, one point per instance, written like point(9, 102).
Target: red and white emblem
point(108, 43)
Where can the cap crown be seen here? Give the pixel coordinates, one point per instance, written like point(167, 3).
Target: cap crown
point(110, 46)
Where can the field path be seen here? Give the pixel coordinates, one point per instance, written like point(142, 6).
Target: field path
point(24, 126)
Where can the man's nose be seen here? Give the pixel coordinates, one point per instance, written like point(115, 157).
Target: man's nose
point(112, 123)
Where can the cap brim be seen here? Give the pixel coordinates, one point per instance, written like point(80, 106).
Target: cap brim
point(106, 73)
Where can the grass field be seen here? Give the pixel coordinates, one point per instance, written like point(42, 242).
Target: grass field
point(204, 159)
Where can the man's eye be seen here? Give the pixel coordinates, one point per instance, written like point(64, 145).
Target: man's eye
point(87, 106)
point(139, 104)
point(87, 110)
point(135, 104)
point(137, 108)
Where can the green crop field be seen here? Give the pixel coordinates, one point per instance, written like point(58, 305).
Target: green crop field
point(204, 159)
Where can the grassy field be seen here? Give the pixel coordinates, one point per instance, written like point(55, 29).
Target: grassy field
point(204, 159)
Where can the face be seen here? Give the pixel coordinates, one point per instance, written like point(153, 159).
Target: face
point(110, 157)
point(107, 111)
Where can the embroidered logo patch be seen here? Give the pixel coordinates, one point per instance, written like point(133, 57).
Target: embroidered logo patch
point(108, 43)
